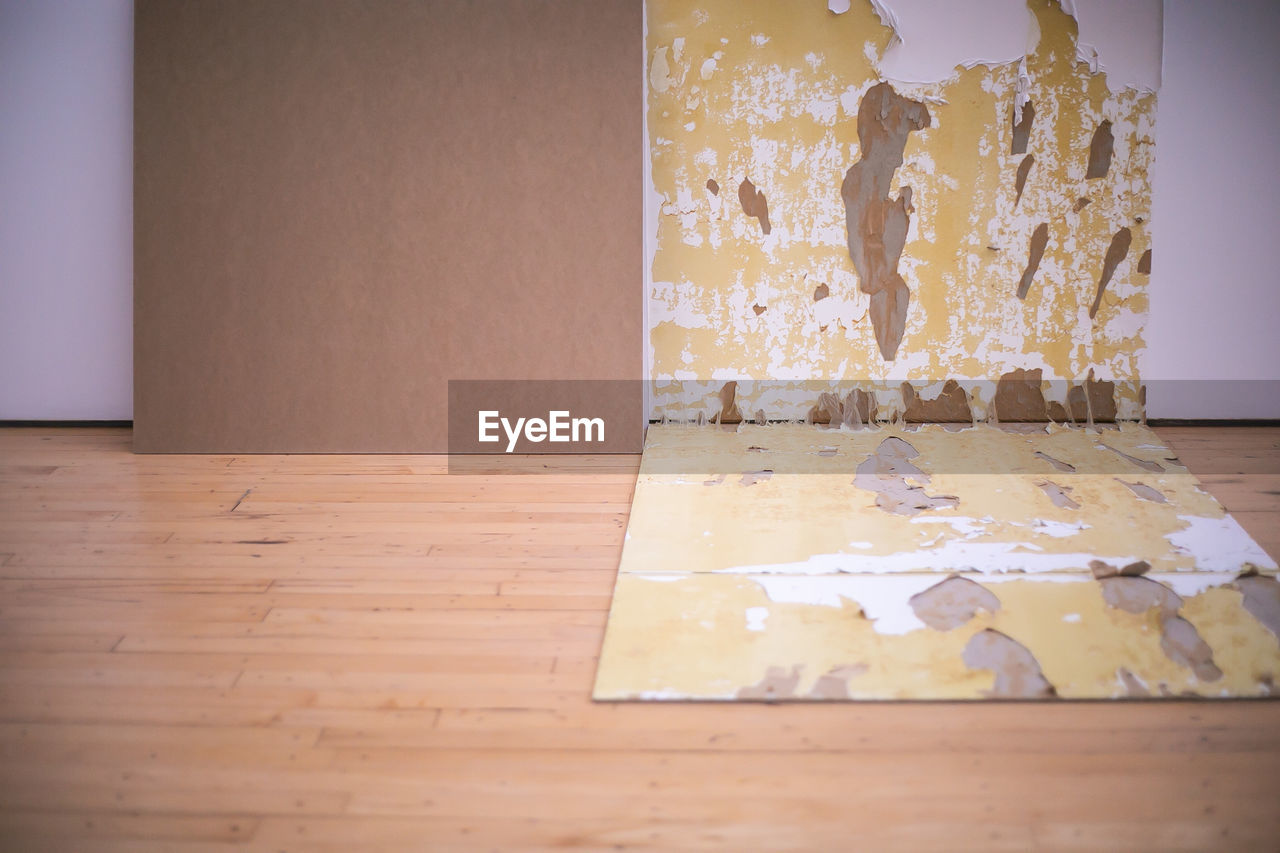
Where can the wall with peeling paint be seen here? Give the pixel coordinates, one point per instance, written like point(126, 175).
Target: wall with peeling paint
point(799, 235)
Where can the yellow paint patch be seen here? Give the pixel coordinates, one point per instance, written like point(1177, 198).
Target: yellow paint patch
point(754, 562)
point(769, 92)
point(810, 505)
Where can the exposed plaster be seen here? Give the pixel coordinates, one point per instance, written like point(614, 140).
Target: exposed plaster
point(1101, 148)
point(886, 473)
point(950, 406)
point(1059, 495)
point(1020, 180)
point(876, 222)
point(1017, 673)
point(1262, 599)
point(755, 205)
point(952, 602)
point(1144, 263)
point(1023, 116)
point(1039, 240)
point(1116, 253)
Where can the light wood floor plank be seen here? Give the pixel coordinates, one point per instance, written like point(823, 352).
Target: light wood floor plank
point(228, 653)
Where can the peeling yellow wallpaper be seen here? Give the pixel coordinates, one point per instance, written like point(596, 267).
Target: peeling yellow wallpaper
point(818, 223)
point(792, 561)
point(899, 261)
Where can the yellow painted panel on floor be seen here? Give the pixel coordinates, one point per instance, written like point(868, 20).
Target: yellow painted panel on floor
point(798, 562)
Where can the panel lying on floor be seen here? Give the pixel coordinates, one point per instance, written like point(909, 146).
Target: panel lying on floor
point(795, 562)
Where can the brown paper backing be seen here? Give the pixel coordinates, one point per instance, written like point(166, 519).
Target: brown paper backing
point(340, 206)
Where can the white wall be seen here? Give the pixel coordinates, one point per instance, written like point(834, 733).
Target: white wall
point(1121, 38)
point(66, 209)
point(1215, 285)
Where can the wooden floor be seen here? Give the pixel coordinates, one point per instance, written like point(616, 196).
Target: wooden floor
point(363, 653)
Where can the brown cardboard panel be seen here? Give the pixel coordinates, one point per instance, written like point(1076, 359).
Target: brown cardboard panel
point(341, 206)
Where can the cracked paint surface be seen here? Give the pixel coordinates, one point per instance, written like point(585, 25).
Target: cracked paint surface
point(999, 264)
point(1050, 578)
point(930, 271)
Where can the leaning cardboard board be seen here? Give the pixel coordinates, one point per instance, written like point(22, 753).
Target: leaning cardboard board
point(341, 206)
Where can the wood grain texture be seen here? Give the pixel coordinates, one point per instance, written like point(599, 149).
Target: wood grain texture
point(339, 206)
point(220, 653)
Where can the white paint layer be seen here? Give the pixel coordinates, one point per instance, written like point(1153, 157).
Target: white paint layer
point(1218, 544)
point(986, 558)
point(1191, 584)
point(659, 577)
point(756, 617)
point(1123, 39)
point(938, 37)
point(884, 600)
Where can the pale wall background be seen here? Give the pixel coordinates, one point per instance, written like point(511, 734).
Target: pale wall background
point(1215, 289)
point(66, 184)
point(66, 209)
